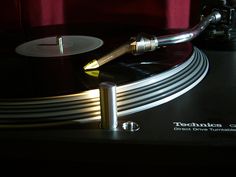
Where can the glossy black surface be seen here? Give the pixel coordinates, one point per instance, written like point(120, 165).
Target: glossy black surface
point(29, 77)
point(155, 149)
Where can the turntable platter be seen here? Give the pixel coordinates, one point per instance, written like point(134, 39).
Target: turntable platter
point(39, 90)
point(30, 77)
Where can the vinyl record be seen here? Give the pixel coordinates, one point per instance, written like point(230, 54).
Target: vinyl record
point(56, 88)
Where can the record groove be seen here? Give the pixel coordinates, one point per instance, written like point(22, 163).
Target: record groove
point(133, 97)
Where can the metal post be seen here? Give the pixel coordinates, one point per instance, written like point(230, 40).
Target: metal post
point(59, 41)
point(108, 105)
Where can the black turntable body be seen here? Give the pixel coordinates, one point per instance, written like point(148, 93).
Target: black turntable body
point(186, 122)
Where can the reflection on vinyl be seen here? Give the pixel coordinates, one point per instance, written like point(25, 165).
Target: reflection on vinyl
point(57, 90)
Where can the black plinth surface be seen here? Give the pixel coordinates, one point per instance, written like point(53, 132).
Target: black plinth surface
point(194, 132)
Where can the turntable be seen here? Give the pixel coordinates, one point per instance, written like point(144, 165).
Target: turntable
point(48, 82)
point(59, 89)
point(168, 83)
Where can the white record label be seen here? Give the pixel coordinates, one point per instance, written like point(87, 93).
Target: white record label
point(59, 46)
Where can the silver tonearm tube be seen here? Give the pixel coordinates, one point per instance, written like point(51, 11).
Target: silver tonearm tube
point(146, 43)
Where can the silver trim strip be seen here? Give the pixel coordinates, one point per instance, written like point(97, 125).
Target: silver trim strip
point(131, 98)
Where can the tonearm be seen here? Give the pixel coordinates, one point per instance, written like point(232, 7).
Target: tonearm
point(220, 18)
